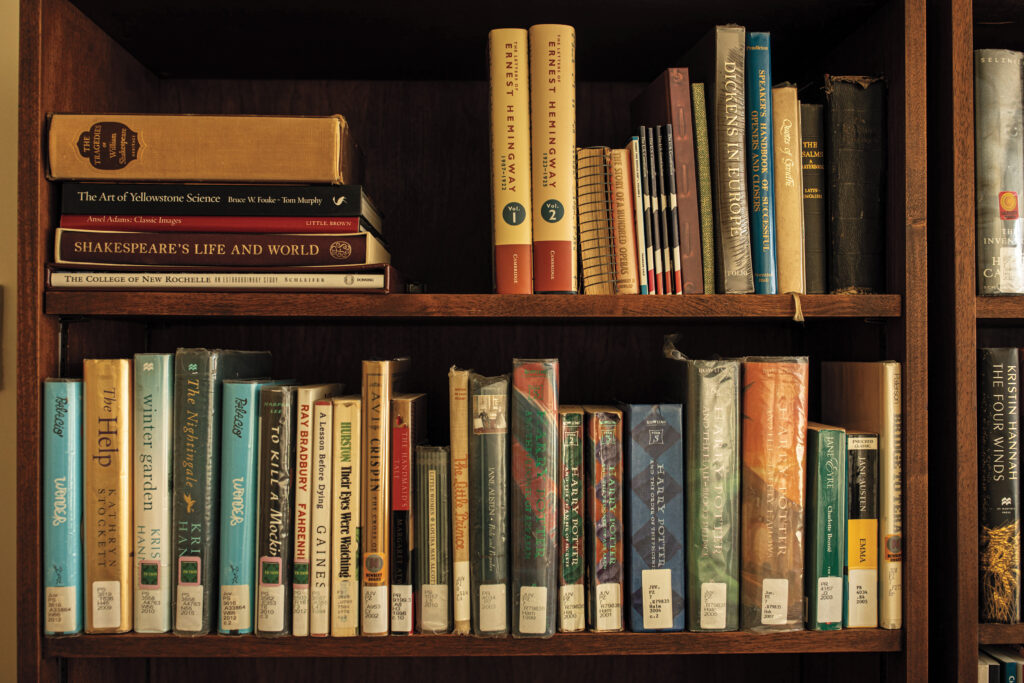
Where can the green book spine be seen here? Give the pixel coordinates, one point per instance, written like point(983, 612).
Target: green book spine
point(571, 522)
point(433, 539)
point(826, 529)
point(707, 218)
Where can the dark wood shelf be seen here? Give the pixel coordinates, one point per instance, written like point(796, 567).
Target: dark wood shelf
point(143, 645)
point(1000, 307)
point(1000, 634)
point(465, 306)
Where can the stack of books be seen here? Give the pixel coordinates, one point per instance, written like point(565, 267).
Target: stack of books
point(199, 202)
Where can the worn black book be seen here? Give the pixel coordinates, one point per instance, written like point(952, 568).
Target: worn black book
point(668, 178)
point(657, 234)
point(198, 375)
point(812, 130)
point(650, 229)
point(999, 485)
point(856, 188)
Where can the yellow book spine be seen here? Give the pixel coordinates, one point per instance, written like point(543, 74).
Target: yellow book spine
point(458, 385)
point(512, 210)
point(107, 435)
point(553, 132)
point(789, 190)
point(346, 447)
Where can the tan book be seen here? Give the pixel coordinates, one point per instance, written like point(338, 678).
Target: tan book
point(511, 206)
point(321, 507)
point(868, 397)
point(381, 378)
point(458, 412)
point(189, 148)
point(597, 234)
point(553, 134)
point(623, 223)
point(346, 444)
point(789, 190)
point(107, 532)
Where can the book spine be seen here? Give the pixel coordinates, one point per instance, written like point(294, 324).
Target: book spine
point(856, 167)
point(645, 274)
point(890, 499)
point(433, 531)
point(704, 197)
point(534, 496)
point(152, 433)
point(571, 522)
point(346, 508)
point(654, 487)
point(683, 170)
point(320, 519)
point(999, 486)
point(826, 532)
point(511, 208)
point(107, 435)
point(662, 259)
point(732, 217)
point(626, 279)
point(999, 170)
point(62, 507)
point(713, 495)
point(173, 223)
point(861, 580)
point(652, 235)
point(488, 504)
point(194, 280)
point(604, 546)
point(774, 471)
point(760, 168)
point(789, 192)
point(458, 404)
point(87, 247)
point(668, 180)
point(407, 424)
point(596, 232)
point(812, 135)
point(553, 119)
point(240, 404)
point(234, 201)
point(277, 444)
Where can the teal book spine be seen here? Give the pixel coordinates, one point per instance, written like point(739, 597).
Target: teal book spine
point(64, 608)
point(760, 171)
point(826, 527)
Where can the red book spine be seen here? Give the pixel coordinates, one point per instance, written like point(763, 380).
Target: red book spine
point(296, 224)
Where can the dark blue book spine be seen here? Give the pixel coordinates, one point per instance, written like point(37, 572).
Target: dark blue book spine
point(760, 167)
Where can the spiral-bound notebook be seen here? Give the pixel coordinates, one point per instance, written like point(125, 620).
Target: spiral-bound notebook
point(594, 202)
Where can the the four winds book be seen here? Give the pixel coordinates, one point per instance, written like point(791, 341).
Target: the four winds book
point(458, 412)
point(62, 507)
point(826, 529)
point(151, 461)
point(107, 528)
point(511, 183)
point(198, 378)
point(605, 546)
point(571, 522)
point(433, 538)
point(999, 485)
point(168, 147)
point(534, 508)
point(346, 514)
point(408, 430)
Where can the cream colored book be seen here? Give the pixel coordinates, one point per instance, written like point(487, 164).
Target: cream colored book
point(458, 412)
point(107, 531)
point(320, 519)
point(346, 428)
point(789, 190)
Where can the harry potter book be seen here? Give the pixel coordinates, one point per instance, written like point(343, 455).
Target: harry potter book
point(606, 566)
point(571, 522)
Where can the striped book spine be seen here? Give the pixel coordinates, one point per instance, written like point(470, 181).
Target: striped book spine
point(572, 615)
point(605, 562)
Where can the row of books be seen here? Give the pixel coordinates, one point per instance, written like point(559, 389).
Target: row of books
point(182, 495)
point(721, 189)
point(999, 664)
point(192, 234)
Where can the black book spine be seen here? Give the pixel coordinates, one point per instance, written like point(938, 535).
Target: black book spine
point(999, 486)
point(812, 125)
point(856, 172)
point(656, 231)
point(668, 169)
point(649, 231)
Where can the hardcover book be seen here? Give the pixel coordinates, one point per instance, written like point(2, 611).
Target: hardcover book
point(654, 466)
point(774, 442)
point(151, 463)
point(652, 228)
point(63, 592)
point(597, 234)
point(571, 522)
point(408, 430)
point(826, 527)
point(659, 226)
point(645, 272)
point(433, 533)
point(168, 147)
point(346, 511)
point(704, 196)
point(621, 192)
point(230, 224)
point(812, 135)
point(511, 184)
point(321, 504)
point(789, 192)
point(606, 570)
point(667, 199)
point(458, 415)
point(198, 378)
point(107, 527)
point(488, 504)
point(999, 563)
point(861, 581)
point(760, 162)
point(534, 500)
point(553, 129)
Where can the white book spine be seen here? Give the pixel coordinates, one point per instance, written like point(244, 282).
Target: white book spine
point(345, 506)
point(320, 522)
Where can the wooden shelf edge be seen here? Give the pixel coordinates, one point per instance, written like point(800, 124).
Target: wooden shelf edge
point(999, 307)
point(1000, 634)
point(163, 645)
point(469, 306)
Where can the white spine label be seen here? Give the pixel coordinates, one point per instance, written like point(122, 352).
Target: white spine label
point(434, 616)
point(401, 609)
point(609, 607)
point(270, 614)
point(774, 602)
point(300, 611)
point(149, 611)
point(61, 608)
point(345, 611)
point(492, 608)
point(106, 604)
point(570, 599)
point(862, 609)
point(656, 597)
point(235, 611)
point(319, 611)
point(712, 606)
point(375, 610)
point(830, 599)
point(462, 591)
point(189, 608)
point(533, 609)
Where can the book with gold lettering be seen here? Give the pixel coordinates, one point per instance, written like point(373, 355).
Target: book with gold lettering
point(346, 474)
point(458, 411)
point(605, 545)
point(572, 515)
point(789, 189)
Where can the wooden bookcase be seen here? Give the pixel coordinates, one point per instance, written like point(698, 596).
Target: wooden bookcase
point(411, 79)
point(961, 323)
